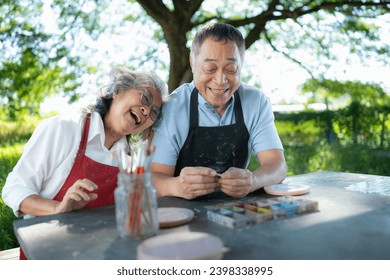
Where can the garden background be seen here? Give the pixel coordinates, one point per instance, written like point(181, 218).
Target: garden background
point(329, 57)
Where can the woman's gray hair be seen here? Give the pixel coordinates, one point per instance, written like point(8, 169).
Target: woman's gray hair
point(218, 32)
point(122, 80)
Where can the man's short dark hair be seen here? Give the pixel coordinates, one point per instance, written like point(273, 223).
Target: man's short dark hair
point(218, 32)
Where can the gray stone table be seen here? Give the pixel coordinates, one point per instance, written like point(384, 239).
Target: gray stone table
point(353, 222)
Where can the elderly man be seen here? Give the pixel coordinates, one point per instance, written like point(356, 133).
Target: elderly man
point(211, 125)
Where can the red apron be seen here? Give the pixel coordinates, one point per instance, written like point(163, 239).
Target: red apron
point(104, 176)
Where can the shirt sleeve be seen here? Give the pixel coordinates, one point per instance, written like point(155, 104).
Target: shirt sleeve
point(167, 151)
point(43, 153)
point(171, 131)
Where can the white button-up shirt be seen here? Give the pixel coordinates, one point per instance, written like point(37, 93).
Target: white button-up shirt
point(49, 155)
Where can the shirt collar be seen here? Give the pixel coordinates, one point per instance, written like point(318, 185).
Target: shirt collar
point(96, 127)
point(96, 131)
point(205, 103)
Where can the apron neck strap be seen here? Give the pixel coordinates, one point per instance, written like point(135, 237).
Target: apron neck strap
point(194, 118)
point(194, 115)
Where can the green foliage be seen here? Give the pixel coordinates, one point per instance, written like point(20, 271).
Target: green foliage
point(368, 94)
point(25, 84)
point(364, 118)
point(326, 141)
point(302, 133)
point(12, 133)
point(7, 236)
point(83, 15)
point(8, 158)
point(13, 136)
point(325, 156)
point(35, 63)
point(310, 145)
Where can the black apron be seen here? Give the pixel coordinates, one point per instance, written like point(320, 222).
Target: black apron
point(219, 147)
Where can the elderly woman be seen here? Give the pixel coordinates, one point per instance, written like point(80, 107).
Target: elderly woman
point(67, 164)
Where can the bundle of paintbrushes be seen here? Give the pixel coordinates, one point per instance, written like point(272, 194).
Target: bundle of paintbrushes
point(135, 196)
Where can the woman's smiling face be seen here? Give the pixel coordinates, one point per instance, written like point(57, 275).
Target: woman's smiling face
point(128, 114)
point(217, 71)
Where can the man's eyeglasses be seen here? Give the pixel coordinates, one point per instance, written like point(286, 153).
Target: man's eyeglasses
point(147, 100)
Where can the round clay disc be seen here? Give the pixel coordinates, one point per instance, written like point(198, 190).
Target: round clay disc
point(285, 189)
point(183, 245)
point(174, 216)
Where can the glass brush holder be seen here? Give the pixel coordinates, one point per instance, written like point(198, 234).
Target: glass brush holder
point(136, 206)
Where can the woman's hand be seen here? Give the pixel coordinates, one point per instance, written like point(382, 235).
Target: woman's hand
point(77, 196)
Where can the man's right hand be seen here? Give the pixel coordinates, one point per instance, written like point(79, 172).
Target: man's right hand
point(196, 181)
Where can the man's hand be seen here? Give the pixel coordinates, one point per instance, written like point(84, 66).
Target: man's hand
point(197, 181)
point(236, 182)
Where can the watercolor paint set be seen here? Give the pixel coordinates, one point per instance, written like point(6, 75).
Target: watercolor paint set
point(236, 214)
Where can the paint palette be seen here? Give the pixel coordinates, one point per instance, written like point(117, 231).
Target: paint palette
point(236, 214)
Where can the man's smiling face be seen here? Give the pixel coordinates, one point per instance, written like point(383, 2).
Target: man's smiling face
point(217, 70)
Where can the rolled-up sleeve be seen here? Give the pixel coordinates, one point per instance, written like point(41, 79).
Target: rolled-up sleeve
point(42, 155)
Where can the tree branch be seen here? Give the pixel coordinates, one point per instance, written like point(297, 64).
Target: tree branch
point(184, 11)
point(288, 56)
point(157, 10)
point(269, 15)
point(319, 42)
point(329, 6)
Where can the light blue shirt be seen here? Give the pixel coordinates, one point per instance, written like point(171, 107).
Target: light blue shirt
point(171, 131)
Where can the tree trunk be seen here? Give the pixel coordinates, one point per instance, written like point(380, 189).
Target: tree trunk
point(175, 23)
point(179, 69)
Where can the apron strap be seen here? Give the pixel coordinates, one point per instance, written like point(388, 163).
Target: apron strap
point(194, 118)
point(237, 107)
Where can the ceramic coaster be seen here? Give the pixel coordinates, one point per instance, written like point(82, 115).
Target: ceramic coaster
point(186, 245)
point(285, 189)
point(174, 216)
